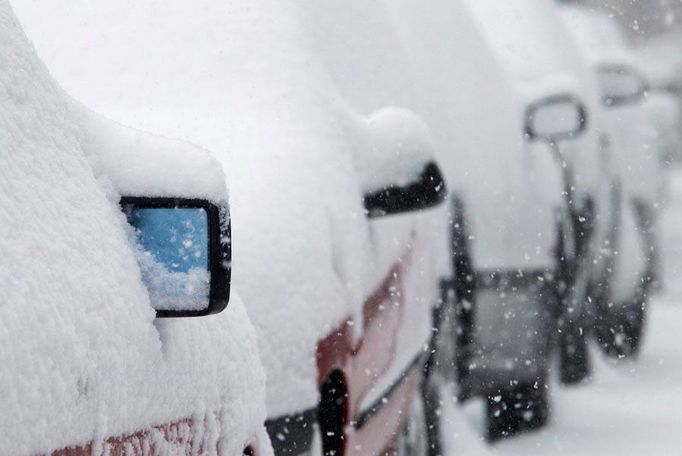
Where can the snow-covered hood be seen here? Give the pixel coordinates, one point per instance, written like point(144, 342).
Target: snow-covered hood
point(82, 356)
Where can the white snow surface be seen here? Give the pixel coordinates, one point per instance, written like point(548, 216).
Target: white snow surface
point(629, 407)
point(401, 146)
point(141, 164)
point(82, 356)
point(597, 34)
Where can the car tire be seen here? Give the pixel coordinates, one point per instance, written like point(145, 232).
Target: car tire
point(520, 409)
point(573, 289)
point(619, 325)
point(620, 334)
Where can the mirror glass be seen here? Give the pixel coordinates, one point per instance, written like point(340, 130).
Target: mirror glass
point(620, 85)
point(555, 119)
point(172, 251)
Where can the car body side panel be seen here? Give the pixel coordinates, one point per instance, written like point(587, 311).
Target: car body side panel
point(370, 361)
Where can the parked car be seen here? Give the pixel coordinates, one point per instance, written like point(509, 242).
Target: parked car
point(634, 271)
point(329, 255)
point(89, 271)
point(560, 123)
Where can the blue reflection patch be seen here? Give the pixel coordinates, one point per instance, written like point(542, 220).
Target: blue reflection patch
point(176, 237)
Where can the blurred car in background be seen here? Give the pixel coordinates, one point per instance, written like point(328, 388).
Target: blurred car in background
point(103, 232)
point(559, 123)
point(632, 273)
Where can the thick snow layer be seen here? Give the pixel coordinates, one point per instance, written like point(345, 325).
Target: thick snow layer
point(82, 356)
point(166, 168)
point(597, 34)
point(631, 407)
point(401, 146)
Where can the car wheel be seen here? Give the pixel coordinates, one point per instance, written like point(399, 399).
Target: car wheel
point(619, 334)
point(523, 408)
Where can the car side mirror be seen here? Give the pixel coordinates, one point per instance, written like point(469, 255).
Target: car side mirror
point(556, 118)
point(621, 85)
point(183, 248)
point(426, 190)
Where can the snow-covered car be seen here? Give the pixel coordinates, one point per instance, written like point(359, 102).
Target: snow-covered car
point(335, 268)
point(104, 231)
point(538, 59)
point(633, 271)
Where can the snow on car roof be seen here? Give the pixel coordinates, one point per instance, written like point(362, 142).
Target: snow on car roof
point(82, 357)
point(524, 38)
point(597, 34)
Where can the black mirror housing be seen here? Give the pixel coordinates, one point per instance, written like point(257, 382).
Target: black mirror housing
point(209, 248)
point(556, 118)
point(427, 191)
point(621, 85)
